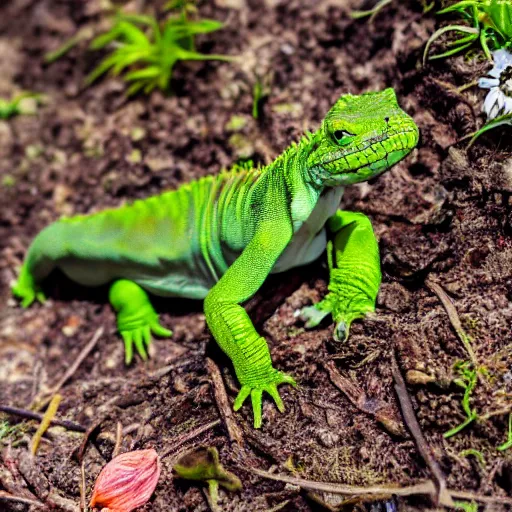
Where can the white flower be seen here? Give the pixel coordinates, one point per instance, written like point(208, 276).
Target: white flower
point(498, 101)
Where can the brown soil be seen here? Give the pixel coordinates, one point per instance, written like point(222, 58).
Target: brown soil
point(444, 214)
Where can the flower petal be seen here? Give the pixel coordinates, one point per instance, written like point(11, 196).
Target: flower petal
point(508, 106)
point(490, 100)
point(487, 83)
point(502, 59)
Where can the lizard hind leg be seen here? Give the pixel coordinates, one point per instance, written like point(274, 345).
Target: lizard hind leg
point(136, 317)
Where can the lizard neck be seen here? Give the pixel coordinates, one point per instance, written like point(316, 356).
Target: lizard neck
point(292, 166)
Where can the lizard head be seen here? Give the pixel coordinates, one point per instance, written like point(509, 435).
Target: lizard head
point(361, 137)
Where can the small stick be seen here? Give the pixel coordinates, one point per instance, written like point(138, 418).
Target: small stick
point(184, 438)
point(4, 495)
point(73, 368)
point(226, 413)
point(412, 423)
point(30, 415)
point(119, 439)
point(85, 440)
point(45, 423)
point(83, 504)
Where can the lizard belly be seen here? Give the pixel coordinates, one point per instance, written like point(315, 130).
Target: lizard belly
point(310, 240)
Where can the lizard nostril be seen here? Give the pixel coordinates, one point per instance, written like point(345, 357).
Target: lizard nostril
point(386, 119)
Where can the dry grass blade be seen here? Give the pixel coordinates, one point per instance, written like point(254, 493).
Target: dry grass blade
point(456, 324)
point(427, 488)
point(188, 436)
point(423, 488)
point(45, 423)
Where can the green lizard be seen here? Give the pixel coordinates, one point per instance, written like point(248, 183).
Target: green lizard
point(218, 238)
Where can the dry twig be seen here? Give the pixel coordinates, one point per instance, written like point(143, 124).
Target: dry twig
point(421, 443)
point(234, 431)
point(31, 415)
point(119, 439)
point(40, 402)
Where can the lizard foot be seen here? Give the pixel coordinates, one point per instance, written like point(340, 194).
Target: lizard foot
point(27, 293)
point(313, 315)
point(342, 315)
point(140, 336)
point(269, 384)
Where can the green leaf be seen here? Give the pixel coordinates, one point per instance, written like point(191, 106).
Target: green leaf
point(102, 68)
point(490, 125)
point(133, 34)
point(443, 30)
point(104, 39)
point(135, 88)
point(142, 74)
point(459, 6)
point(500, 14)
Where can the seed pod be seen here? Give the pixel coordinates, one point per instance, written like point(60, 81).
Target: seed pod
point(127, 481)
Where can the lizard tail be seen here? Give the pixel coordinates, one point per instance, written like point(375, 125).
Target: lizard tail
point(42, 256)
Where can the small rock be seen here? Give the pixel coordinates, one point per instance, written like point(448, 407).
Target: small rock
point(327, 438)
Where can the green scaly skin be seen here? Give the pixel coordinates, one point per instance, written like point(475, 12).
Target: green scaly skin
point(218, 239)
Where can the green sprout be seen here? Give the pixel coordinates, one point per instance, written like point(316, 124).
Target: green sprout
point(466, 507)
point(508, 443)
point(261, 91)
point(467, 380)
point(490, 23)
point(203, 465)
point(147, 57)
point(15, 106)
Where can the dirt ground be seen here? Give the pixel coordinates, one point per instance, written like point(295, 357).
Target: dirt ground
point(442, 216)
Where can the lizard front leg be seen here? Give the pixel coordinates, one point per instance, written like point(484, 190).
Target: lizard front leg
point(136, 318)
point(232, 327)
point(354, 268)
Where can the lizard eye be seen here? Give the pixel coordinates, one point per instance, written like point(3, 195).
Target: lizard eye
point(341, 136)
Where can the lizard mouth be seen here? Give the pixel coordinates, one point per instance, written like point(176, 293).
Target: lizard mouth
point(373, 149)
point(370, 158)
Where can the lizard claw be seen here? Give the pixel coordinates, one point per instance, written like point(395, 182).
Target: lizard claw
point(341, 331)
point(256, 392)
point(312, 316)
point(141, 337)
point(28, 294)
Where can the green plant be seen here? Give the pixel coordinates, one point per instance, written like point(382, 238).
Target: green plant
point(425, 4)
point(14, 106)
point(147, 58)
point(490, 23)
point(508, 443)
point(467, 381)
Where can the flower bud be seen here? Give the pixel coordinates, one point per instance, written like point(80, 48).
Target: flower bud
point(127, 481)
